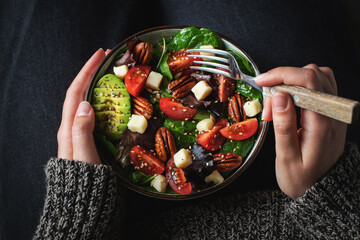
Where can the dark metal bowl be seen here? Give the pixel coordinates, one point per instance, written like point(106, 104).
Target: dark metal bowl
point(153, 35)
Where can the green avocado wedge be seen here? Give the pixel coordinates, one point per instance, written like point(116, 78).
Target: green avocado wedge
point(111, 103)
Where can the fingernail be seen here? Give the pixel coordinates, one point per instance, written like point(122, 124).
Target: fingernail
point(280, 102)
point(260, 77)
point(83, 109)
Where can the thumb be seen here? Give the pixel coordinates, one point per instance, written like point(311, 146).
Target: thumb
point(84, 149)
point(286, 137)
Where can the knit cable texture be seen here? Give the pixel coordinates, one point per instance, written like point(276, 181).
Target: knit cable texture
point(80, 201)
point(328, 210)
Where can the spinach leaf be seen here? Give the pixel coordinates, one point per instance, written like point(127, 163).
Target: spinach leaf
point(183, 131)
point(248, 91)
point(164, 67)
point(244, 64)
point(140, 178)
point(241, 147)
point(201, 114)
point(105, 144)
point(192, 37)
point(163, 47)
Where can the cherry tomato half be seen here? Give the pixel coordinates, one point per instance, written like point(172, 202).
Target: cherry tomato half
point(179, 61)
point(176, 178)
point(175, 110)
point(135, 79)
point(146, 161)
point(212, 140)
point(241, 130)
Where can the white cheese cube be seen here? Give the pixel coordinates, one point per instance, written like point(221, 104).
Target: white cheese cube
point(137, 123)
point(154, 80)
point(205, 124)
point(214, 177)
point(207, 47)
point(121, 71)
point(159, 183)
point(182, 158)
point(252, 107)
point(201, 90)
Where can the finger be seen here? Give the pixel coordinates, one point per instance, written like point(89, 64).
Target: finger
point(267, 111)
point(325, 84)
point(107, 51)
point(84, 149)
point(330, 75)
point(74, 95)
point(284, 121)
point(303, 77)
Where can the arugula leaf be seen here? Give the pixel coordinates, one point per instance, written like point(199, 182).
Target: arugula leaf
point(241, 147)
point(162, 54)
point(140, 178)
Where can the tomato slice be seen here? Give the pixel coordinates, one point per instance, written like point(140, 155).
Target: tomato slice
point(146, 161)
point(135, 79)
point(175, 110)
point(176, 178)
point(179, 61)
point(212, 140)
point(241, 130)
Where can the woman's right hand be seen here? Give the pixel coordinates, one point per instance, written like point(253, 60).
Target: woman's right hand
point(306, 154)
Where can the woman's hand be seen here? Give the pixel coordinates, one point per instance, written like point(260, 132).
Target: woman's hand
point(306, 154)
point(75, 139)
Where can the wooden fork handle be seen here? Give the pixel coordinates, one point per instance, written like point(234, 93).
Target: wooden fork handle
point(335, 107)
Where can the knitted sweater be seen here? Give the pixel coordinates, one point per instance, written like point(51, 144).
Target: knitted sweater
point(86, 202)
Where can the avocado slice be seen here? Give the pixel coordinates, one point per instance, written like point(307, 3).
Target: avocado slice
point(111, 103)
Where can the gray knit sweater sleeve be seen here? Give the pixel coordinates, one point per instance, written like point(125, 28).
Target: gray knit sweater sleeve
point(80, 201)
point(328, 210)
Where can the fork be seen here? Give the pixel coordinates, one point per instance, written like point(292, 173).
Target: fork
point(342, 109)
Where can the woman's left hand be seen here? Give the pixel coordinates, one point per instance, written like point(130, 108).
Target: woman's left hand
point(75, 135)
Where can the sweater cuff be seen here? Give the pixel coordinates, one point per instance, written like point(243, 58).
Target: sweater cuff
point(80, 200)
point(330, 207)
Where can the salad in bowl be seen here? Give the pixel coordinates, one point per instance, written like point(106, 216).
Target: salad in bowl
point(169, 131)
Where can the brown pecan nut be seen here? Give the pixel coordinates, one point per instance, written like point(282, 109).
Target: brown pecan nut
point(182, 86)
point(141, 106)
point(224, 162)
point(236, 108)
point(164, 143)
point(143, 53)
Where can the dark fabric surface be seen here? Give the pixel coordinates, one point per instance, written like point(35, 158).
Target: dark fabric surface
point(44, 44)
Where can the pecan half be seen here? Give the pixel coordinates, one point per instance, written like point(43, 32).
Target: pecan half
point(143, 53)
point(141, 106)
point(164, 143)
point(182, 86)
point(236, 108)
point(224, 162)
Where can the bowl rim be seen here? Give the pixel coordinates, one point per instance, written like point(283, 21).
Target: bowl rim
point(249, 159)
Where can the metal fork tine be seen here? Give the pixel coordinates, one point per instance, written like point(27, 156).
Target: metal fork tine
point(220, 59)
point(212, 70)
point(206, 50)
point(213, 64)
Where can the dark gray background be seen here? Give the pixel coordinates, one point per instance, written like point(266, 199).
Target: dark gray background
point(44, 44)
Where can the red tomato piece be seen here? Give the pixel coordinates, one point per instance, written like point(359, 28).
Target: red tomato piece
point(241, 130)
point(175, 110)
point(179, 61)
point(212, 140)
point(176, 178)
point(135, 79)
point(146, 161)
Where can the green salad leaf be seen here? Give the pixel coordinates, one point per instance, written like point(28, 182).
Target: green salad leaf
point(244, 64)
point(183, 131)
point(105, 144)
point(241, 147)
point(140, 178)
point(192, 37)
point(248, 91)
point(164, 67)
